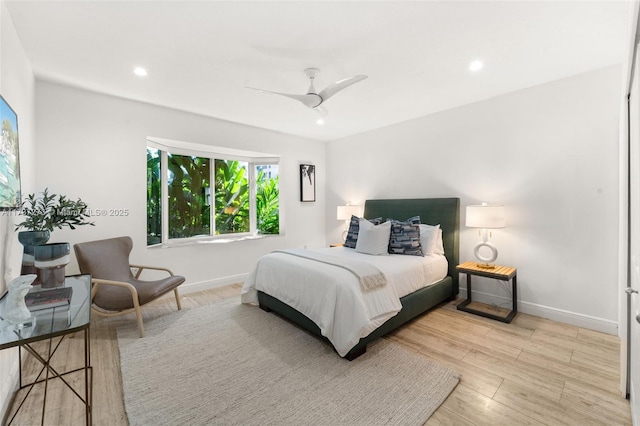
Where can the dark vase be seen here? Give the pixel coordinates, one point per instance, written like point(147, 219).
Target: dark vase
point(30, 239)
point(50, 261)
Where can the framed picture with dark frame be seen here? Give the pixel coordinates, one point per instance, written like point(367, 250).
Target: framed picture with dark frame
point(307, 182)
point(10, 197)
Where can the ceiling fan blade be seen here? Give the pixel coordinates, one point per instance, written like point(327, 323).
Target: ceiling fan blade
point(309, 100)
point(334, 88)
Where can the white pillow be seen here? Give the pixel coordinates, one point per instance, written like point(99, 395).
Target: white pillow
point(430, 237)
point(373, 239)
point(438, 247)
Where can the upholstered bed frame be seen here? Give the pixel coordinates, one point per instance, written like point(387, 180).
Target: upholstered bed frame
point(432, 211)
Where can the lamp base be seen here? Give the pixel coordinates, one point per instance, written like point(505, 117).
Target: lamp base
point(485, 261)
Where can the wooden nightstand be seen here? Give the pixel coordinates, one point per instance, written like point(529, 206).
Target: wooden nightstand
point(503, 273)
point(336, 245)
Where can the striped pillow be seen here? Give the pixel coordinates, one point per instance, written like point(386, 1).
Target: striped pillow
point(405, 237)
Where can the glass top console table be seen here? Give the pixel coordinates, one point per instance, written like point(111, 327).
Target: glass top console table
point(49, 324)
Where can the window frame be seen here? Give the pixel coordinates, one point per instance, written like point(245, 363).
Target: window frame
point(253, 159)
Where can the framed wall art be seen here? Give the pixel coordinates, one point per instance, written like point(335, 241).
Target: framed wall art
point(307, 182)
point(9, 158)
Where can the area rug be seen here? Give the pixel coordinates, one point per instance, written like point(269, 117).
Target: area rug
point(233, 364)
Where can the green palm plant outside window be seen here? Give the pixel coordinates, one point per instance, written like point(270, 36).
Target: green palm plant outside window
point(232, 197)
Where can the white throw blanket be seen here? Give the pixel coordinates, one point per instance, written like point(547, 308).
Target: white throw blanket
point(369, 276)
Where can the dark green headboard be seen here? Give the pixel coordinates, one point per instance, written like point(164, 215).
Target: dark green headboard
point(432, 211)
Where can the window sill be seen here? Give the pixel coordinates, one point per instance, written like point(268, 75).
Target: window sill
point(210, 240)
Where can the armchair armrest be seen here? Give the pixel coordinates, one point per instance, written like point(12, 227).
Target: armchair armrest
point(140, 268)
point(96, 282)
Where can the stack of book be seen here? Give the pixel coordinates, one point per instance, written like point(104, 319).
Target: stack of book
point(59, 297)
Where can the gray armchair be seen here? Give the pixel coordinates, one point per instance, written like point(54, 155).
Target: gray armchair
point(115, 289)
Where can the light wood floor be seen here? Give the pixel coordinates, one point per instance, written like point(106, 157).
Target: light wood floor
point(532, 371)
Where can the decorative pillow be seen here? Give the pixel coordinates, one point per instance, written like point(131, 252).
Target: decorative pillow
point(429, 238)
point(405, 237)
point(373, 239)
point(354, 225)
point(439, 246)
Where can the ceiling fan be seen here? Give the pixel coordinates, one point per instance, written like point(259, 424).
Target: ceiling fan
point(313, 99)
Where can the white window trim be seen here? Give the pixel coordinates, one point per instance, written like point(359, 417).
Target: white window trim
point(213, 152)
point(201, 150)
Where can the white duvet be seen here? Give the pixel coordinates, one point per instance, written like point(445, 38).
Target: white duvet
point(333, 298)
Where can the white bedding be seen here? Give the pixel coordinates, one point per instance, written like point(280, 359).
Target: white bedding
point(406, 273)
point(332, 297)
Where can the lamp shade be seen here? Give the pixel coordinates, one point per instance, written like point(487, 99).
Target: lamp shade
point(485, 216)
point(345, 212)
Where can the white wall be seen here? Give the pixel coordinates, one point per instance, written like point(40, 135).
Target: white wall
point(548, 153)
point(17, 87)
point(93, 146)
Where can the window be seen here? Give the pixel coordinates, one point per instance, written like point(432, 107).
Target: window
point(206, 192)
point(188, 185)
point(154, 194)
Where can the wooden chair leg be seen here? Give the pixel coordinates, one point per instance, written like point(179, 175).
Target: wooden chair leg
point(136, 305)
point(175, 290)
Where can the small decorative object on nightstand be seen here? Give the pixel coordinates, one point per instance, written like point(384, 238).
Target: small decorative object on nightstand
point(503, 273)
point(485, 217)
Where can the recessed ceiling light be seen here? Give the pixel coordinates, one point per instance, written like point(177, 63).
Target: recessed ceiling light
point(320, 121)
point(139, 71)
point(475, 66)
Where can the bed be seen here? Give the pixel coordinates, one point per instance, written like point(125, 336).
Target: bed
point(442, 211)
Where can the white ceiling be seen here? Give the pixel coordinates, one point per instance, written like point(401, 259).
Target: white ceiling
point(200, 55)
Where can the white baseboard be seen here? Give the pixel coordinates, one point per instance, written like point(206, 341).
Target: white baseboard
point(554, 314)
point(209, 284)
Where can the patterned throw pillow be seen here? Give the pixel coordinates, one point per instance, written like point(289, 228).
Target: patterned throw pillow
point(354, 227)
point(405, 237)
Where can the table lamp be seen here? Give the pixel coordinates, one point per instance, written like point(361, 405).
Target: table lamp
point(485, 217)
point(345, 213)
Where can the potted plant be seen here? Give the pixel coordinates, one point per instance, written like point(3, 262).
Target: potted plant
point(43, 214)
